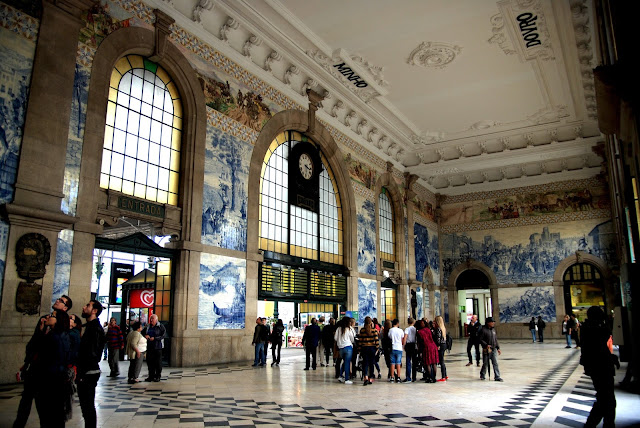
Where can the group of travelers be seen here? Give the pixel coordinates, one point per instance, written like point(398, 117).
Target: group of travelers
point(537, 327)
point(571, 329)
point(63, 355)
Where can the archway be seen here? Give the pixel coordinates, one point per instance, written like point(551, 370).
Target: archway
point(470, 286)
point(584, 279)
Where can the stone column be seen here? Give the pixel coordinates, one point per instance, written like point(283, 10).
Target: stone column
point(39, 183)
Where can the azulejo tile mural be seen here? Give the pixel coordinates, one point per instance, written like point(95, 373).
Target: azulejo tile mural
point(529, 254)
point(226, 175)
point(62, 272)
point(518, 305)
point(367, 298)
point(437, 302)
point(426, 253)
point(222, 296)
point(366, 235)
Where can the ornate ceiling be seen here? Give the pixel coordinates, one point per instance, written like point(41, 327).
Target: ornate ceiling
point(468, 95)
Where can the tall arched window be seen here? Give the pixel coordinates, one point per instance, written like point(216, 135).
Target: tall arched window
point(289, 229)
point(141, 152)
point(303, 248)
point(386, 230)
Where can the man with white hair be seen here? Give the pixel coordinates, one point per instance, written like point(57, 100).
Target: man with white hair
point(155, 342)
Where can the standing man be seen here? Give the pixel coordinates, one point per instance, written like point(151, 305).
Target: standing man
point(320, 344)
point(489, 342)
point(259, 342)
point(575, 329)
point(541, 327)
point(473, 329)
point(397, 342)
point(155, 341)
point(89, 354)
point(410, 347)
point(310, 340)
point(115, 342)
point(598, 361)
point(63, 303)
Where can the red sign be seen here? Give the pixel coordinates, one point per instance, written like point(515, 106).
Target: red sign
point(141, 298)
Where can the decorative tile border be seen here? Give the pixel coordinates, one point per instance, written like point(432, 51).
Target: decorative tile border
point(526, 221)
point(431, 225)
point(363, 191)
point(21, 23)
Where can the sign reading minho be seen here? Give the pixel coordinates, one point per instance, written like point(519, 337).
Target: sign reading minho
point(140, 207)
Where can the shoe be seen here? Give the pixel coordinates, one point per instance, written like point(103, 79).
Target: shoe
point(366, 382)
point(398, 380)
point(261, 365)
point(278, 364)
point(272, 364)
point(481, 377)
point(446, 377)
point(478, 364)
point(148, 379)
point(378, 375)
point(441, 380)
point(348, 382)
point(390, 379)
point(253, 365)
point(406, 381)
point(130, 381)
point(157, 379)
point(306, 368)
point(341, 379)
point(469, 364)
point(321, 364)
point(567, 347)
point(498, 379)
point(314, 368)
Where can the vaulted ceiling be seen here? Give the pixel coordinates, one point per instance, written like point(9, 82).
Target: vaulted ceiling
point(468, 95)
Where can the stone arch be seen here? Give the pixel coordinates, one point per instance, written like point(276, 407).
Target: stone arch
point(187, 218)
point(580, 257)
point(386, 180)
point(470, 264)
point(297, 120)
point(141, 41)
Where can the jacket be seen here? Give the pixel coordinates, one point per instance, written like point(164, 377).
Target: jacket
point(595, 355)
point(488, 337)
point(473, 332)
point(276, 334)
point(91, 347)
point(311, 335)
point(133, 342)
point(52, 357)
point(158, 332)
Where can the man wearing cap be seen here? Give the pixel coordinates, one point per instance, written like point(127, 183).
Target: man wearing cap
point(489, 342)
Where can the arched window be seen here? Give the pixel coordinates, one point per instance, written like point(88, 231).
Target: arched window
point(583, 288)
point(286, 228)
point(386, 230)
point(141, 152)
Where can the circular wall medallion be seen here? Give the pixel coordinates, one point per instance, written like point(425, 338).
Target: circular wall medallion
point(434, 54)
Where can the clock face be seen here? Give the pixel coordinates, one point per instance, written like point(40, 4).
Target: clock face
point(306, 166)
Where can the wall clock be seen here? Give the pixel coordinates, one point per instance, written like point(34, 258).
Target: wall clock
point(305, 163)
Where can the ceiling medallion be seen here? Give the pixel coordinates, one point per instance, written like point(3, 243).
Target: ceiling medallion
point(434, 54)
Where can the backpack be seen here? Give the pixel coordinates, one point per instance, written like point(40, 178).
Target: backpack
point(449, 342)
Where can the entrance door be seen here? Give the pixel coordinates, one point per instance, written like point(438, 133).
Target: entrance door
point(133, 279)
point(583, 288)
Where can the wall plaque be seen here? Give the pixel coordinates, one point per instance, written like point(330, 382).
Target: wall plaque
point(140, 207)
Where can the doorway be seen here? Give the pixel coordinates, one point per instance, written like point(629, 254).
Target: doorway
point(133, 279)
point(583, 288)
point(474, 298)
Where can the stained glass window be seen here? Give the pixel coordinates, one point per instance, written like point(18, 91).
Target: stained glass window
point(141, 152)
point(289, 229)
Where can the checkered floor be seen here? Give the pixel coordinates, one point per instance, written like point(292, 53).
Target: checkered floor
point(177, 402)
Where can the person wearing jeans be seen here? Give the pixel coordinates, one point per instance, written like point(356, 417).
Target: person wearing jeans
point(532, 328)
point(345, 338)
point(566, 330)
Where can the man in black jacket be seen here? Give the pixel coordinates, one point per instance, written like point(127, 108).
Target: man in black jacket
point(472, 329)
point(598, 362)
point(63, 303)
point(489, 342)
point(89, 354)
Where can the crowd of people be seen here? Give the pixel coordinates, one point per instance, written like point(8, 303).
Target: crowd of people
point(63, 355)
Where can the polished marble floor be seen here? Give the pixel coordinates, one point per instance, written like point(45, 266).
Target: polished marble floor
point(543, 386)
